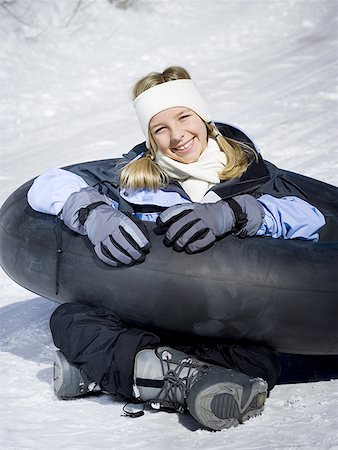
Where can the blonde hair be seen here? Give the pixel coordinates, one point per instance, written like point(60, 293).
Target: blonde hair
point(145, 173)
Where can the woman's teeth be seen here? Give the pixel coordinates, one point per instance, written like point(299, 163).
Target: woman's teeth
point(185, 146)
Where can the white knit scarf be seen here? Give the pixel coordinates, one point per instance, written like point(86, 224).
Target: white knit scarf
point(198, 177)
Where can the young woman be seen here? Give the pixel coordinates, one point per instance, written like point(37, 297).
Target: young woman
point(200, 182)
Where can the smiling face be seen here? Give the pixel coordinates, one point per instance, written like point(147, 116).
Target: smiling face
point(179, 133)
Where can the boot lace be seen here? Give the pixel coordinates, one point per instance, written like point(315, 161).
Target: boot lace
point(176, 387)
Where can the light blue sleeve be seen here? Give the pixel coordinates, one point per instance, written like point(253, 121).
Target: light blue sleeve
point(290, 218)
point(50, 190)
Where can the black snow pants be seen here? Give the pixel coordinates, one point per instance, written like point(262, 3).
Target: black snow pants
point(98, 342)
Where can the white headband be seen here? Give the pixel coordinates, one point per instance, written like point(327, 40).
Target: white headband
point(169, 95)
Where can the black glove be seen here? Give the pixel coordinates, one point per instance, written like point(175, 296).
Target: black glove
point(194, 227)
point(117, 238)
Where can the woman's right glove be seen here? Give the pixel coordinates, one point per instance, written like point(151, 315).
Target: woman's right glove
point(117, 239)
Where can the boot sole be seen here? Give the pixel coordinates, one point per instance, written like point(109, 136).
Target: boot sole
point(221, 405)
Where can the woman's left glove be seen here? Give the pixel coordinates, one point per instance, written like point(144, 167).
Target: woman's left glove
point(117, 239)
point(194, 227)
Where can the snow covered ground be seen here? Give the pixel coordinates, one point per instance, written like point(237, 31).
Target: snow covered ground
point(66, 67)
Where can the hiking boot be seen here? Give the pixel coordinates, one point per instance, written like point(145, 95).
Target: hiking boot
point(69, 381)
point(215, 396)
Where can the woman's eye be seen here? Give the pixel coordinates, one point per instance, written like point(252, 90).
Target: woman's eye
point(185, 117)
point(158, 130)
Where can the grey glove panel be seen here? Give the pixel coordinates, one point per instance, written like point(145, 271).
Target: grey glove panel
point(117, 239)
point(180, 226)
point(254, 211)
point(115, 254)
point(135, 232)
point(123, 248)
point(172, 213)
point(102, 256)
point(225, 219)
point(193, 233)
point(201, 244)
point(194, 227)
point(217, 217)
point(76, 201)
point(104, 221)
